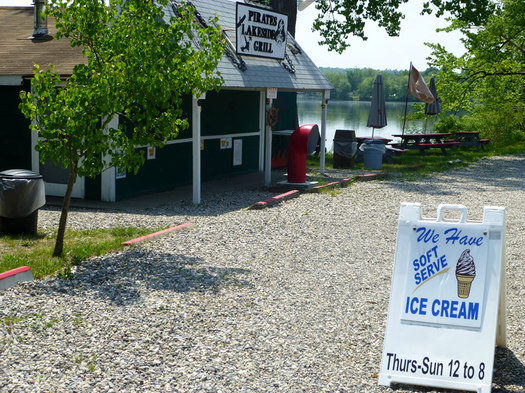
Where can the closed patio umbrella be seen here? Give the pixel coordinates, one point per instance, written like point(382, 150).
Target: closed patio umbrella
point(435, 107)
point(377, 115)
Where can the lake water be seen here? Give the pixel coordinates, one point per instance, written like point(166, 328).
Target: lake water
point(353, 115)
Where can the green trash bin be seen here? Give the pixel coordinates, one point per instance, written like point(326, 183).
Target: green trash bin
point(22, 193)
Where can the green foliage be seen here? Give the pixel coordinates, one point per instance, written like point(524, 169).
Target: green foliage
point(338, 19)
point(341, 84)
point(139, 65)
point(358, 83)
point(488, 82)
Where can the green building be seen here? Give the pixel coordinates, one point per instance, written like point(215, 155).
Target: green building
point(228, 133)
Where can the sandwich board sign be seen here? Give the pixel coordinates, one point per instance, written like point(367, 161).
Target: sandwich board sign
point(447, 300)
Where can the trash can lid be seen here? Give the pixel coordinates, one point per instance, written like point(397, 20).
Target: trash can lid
point(374, 141)
point(19, 174)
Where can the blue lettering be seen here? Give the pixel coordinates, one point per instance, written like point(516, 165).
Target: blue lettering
point(473, 309)
point(453, 309)
point(444, 308)
point(455, 236)
point(412, 309)
point(435, 307)
point(416, 265)
point(413, 303)
point(427, 235)
point(428, 264)
point(423, 306)
point(424, 274)
point(462, 311)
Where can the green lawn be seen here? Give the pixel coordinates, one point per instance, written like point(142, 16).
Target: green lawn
point(36, 251)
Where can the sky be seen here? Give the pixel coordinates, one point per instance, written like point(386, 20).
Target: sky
point(380, 51)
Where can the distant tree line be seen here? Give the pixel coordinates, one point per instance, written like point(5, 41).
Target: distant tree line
point(357, 83)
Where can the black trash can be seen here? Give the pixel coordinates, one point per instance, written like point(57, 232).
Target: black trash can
point(22, 193)
point(345, 148)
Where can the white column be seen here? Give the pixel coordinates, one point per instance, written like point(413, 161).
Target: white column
point(262, 128)
point(268, 148)
point(196, 147)
point(326, 96)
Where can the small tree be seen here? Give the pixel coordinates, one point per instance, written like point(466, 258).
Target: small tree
point(140, 62)
point(487, 82)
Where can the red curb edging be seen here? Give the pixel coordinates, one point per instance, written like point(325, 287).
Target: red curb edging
point(13, 272)
point(323, 186)
point(345, 182)
point(295, 193)
point(155, 234)
point(276, 199)
point(370, 176)
point(12, 277)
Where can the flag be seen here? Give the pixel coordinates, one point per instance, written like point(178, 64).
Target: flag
point(418, 88)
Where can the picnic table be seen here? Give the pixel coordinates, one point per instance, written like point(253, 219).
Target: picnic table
point(470, 138)
point(423, 142)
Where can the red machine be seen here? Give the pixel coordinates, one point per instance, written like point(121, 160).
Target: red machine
point(303, 141)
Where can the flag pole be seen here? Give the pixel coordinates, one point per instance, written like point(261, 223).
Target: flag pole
point(406, 99)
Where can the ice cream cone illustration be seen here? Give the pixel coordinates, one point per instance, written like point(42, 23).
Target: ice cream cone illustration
point(465, 273)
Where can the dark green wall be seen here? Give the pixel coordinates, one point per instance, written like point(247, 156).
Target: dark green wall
point(287, 105)
point(228, 112)
point(15, 136)
point(225, 112)
point(171, 168)
point(287, 120)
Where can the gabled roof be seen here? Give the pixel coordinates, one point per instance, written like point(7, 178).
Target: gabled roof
point(18, 52)
point(262, 72)
point(297, 72)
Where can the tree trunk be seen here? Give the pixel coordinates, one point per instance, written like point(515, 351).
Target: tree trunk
point(59, 244)
point(286, 7)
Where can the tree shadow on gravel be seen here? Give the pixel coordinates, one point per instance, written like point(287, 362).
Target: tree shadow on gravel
point(508, 376)
point(125, 278)
point(500, 173)
point(508, 371)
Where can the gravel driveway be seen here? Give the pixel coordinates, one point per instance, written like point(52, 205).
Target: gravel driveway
point(292, 298)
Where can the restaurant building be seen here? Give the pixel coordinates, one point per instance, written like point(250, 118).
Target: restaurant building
point(228, 135)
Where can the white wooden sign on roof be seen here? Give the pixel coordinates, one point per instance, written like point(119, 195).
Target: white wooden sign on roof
point(260, 32)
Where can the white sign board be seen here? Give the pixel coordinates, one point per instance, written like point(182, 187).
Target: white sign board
point(260, 32)
point(444, 300)
point(271, 93)
point(226, 143)
point(237, 152)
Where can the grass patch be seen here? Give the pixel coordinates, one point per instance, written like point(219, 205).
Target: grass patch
point(36, 251)
point(413, 163)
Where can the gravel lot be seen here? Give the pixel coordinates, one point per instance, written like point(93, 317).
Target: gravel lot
point(292, 298)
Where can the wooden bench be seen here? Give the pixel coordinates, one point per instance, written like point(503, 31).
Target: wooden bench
point(443, 146)
point(391, 151)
